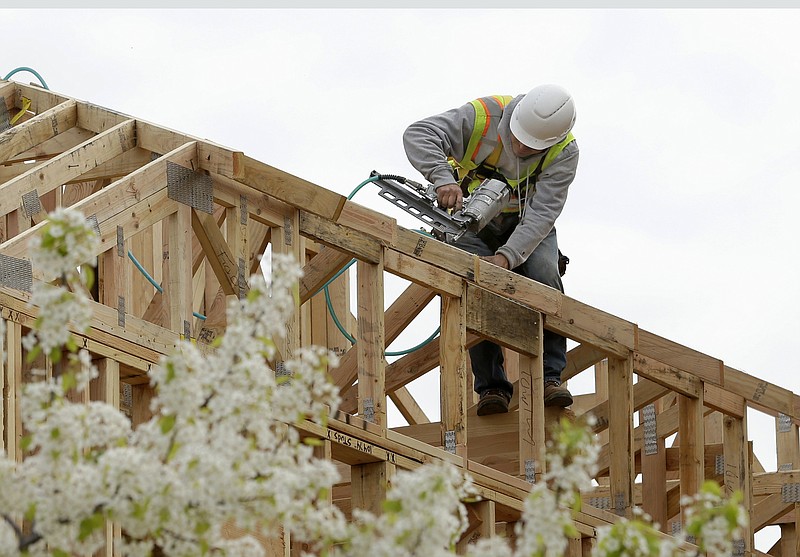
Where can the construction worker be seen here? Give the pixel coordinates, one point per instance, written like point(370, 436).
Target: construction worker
point(526, 142)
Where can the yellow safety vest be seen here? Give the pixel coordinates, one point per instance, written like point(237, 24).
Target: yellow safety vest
point(488, 111)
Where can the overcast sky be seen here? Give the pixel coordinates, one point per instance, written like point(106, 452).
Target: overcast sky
point(683, 214)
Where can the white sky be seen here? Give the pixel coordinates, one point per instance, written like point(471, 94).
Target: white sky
point(683, 215)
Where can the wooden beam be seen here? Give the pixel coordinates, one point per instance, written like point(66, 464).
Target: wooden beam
point(673, 354)
point(580, 358)
point(345, 239)
point(737, 473)
point(453, 373)
point(38, 129)
point(371, 343)
point(409, 268)
point(761, 392)
point(292, 190)
point(47, 176)
point(408, 407)
point(620, 434)
point(217, 252)
point(692, 442)
point(322, 268)
point(674, 379)
point(504, 321)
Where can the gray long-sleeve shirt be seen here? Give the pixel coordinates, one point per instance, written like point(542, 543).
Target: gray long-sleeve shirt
point(429, 142)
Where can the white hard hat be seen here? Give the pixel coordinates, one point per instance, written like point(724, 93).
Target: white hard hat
point(543, 117)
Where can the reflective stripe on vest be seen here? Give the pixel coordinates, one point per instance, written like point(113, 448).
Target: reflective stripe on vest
point(483, 120)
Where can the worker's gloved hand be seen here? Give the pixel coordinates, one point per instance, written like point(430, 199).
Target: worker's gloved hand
point(496, 259)
point(449, 196)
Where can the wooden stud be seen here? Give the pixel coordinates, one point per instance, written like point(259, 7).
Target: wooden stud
point(531, 411)
point(453, 373)
point(369, 485)
point(370, 345)
point(483, 516)
point(691, 435)
point(654, 474)
point(178, 289)
point(620, 434)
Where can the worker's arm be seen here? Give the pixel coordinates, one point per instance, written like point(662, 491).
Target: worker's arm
point(543, 208)
point(429, 142)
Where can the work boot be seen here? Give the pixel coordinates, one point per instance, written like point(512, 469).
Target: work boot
point(556, 395)
point(493, 401)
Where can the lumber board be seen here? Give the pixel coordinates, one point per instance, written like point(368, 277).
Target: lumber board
point(370, 222)
point(580, 358)
point(675, 379)
point(8, 94)
point(414, 270)
point(66, 139)
point(369, 484)
point(620, 434)
point(292, 190)
point(411, 411)
point(691, 435)
point(502, 320)
point(49, 175)
point(260, 207)
point(760, 392)
point(37, 130)
point(217, 252)
point(484, 274)
point(340, 237)
point(671, 353)
point(371, 343)
point(724, 401)
point(321, 269)
point(41, 99)
point(453, 371)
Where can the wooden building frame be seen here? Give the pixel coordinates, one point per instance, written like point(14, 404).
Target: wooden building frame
point(211, 212)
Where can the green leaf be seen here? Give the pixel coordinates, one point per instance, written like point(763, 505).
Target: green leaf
point(30, 514)
point(55, 433)
point(392, 506)
point(60, 553)
point(33, 354)
point(167, 423)
point(68, 382)
point(313, 442)
point(25, 442)
point(201, 528)
point(89, 524)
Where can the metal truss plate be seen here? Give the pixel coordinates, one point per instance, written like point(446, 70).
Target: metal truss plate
point(16, 273)
point(31, 203)
point(790, 493)
point(719, 464)
point(121, 311)
point(190, 187)
point(369, 410)
point(450, 441)
point(530, 471)
point(92, 221)
point(784, 423)
point(241, 278)
point(5, 118)
point(650, 430)
point(603, 503)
